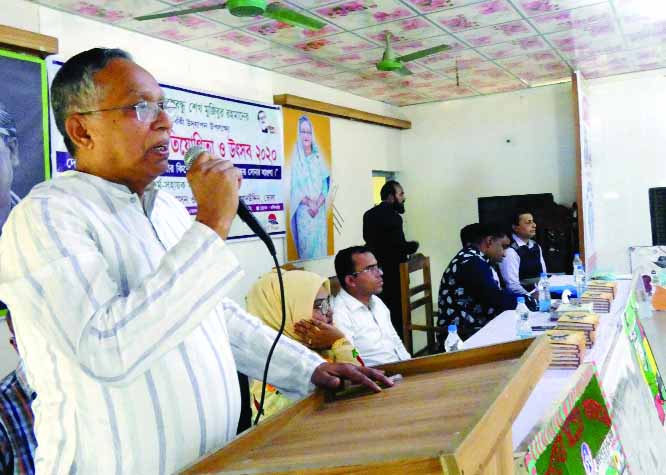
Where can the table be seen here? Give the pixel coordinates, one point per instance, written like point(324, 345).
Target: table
point(554, 382)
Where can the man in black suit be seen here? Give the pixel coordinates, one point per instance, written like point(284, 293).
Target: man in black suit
point(383, 234)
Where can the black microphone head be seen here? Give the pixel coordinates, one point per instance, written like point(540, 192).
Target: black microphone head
point(191, 155)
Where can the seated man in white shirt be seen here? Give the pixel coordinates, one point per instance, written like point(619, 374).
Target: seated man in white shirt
point(359, 313)
point(523, 262)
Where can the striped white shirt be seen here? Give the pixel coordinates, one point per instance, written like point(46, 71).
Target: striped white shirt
point(121, 318)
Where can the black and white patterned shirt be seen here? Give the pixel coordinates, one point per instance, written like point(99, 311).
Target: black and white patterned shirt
point(469, 294)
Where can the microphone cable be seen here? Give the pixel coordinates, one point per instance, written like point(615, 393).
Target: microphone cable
point(260, 409)
point(248, 218)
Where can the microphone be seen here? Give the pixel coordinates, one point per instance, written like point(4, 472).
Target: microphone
point(243, 211)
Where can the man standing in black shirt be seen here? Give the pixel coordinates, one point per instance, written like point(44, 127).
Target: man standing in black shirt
point(383, 234)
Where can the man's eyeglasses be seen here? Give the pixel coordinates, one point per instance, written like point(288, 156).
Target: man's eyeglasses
point(146, 111)
point(375, 269)
point(323, 305)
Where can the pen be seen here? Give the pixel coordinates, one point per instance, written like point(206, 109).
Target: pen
point(542, 328)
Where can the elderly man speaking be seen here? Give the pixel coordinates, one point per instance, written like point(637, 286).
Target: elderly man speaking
point(119, 298)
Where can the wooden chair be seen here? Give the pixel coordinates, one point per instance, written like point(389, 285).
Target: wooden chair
point(418, 263)
point(335, 285)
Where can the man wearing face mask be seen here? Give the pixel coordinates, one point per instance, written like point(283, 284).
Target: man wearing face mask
point(384, 236)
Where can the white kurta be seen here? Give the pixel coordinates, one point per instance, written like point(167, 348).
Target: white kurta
point(128, 339)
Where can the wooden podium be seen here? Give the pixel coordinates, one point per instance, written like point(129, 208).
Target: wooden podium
point(450, 414)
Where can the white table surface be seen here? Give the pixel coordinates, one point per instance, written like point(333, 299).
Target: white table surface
point(550, 389)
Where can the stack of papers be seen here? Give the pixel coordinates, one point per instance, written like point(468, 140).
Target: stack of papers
point(568, 348)
point(580, 321)
point(602, 286)
point(601, 301)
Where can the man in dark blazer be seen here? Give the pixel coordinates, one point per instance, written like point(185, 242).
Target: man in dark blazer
point(384, 236)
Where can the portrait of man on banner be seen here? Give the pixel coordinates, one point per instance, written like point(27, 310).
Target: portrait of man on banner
point(23, 145)
point(308, 155)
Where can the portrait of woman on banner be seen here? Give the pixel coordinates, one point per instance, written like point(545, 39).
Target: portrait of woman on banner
point(310, 183)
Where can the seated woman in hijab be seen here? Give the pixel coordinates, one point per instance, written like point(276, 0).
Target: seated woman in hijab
point(309, 320)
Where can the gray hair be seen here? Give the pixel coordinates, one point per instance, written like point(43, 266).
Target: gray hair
point(8, 133)
point(74, 88)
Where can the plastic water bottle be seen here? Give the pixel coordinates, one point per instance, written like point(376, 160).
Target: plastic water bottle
point(576, 262)
point(523, 327)
point(453, 341)
point(579, 279)
point(544, 293)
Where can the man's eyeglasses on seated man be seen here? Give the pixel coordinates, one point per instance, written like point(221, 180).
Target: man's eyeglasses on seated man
point(374, 268)
point(146, 111)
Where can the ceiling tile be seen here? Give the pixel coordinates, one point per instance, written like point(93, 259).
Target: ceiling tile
point(342, 79)
point(289, 34)
point(530, 44)
point(641, 31)
point(447, 61)
point(176, 28)
point(587, 40)
point(232, 44)
point(275, 57)
point(313, 70)
point(311, 4)
point(222, 14)
point(493, 88)
point(412, 46)
point(354, 14)
point(401, 30)
point(335, 45)
point(448, 90)
point(573, 19)
point(405, 98)
point(537, 67)
point(474, 16)
point(359, 60)
point(108, 11)
point(532, 8)
point(498, 33)
point(429, 6)
point(599, 37)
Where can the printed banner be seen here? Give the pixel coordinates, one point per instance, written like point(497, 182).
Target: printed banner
point(247, 133)
point(580, 438)
point(586, 207)
point(308, 155)
point(643, 354)
point(24, 152)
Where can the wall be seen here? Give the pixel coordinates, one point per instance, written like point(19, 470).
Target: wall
point(358, 148)
point(628, 136)
point(457, 151)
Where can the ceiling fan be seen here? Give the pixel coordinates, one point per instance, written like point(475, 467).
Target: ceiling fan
point(249, 8)
point(391, 62)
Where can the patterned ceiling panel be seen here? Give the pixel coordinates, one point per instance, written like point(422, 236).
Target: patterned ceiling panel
point(495, 45)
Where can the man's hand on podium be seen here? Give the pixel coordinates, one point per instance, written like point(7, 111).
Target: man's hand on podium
point(331, 375)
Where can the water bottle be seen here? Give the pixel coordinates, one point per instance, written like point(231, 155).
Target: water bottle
point(654, 281)
point(544, 293)
point(453, 341)
point(580, 281)
point(523, 327)
point(576, 262)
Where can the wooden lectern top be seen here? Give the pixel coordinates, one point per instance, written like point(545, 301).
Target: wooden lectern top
point(450, 414)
